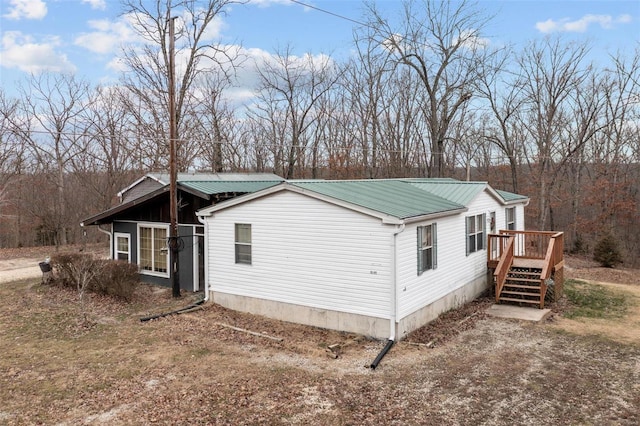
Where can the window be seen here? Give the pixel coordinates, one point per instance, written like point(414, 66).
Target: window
point(427, 253)
point(475, 233)
point(243, 243)
point(122, 247)
point(511, 218)
point(153, 249)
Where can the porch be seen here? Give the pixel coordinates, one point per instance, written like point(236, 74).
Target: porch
point(526, 267)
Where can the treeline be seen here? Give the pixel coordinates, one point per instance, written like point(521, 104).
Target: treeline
point(543, 120)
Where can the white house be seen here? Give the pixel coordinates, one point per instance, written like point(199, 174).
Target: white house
point(375, 257)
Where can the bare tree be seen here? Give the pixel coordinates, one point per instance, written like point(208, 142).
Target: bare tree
point(51, 126)
point(551, 73)
point(290, 91)
point(196, 54)
point(440, 41)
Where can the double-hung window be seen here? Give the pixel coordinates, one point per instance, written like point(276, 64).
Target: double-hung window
point(122, 247)
point(243, 243)
point(153, 251)
point(510, 214)
point(427, 248)
point(475, 233)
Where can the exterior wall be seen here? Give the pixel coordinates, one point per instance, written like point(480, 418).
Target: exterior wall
point(318, 264)
point(186, 266)
point(305, 253)
point(458, 277)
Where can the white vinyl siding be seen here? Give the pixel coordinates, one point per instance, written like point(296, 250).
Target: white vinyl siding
point(455, 268)
point(305, 252)
point(152, 249)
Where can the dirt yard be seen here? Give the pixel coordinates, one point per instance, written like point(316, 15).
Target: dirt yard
point(202, 368)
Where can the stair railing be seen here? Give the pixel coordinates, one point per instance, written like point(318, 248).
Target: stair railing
point(551, 258)
point(503, 267)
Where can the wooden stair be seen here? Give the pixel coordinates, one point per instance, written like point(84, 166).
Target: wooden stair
point(522, 286)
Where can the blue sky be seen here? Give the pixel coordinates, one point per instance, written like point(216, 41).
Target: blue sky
point(84, 36)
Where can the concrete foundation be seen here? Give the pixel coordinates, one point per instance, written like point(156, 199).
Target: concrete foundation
point(453, 300)
point(342, 321)
point(324, 318)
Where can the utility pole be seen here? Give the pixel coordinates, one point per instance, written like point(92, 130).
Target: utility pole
point(173, 242)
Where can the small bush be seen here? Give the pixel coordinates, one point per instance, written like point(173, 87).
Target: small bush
point(67, 265)
point(117, 279)
point(83, 272)
point(607, 253)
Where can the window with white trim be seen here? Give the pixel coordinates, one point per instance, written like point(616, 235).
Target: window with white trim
point(476, 233)
point(427, 248)
point(510, 214)
point(152, 246)
point(122, 249)
point(243, 243)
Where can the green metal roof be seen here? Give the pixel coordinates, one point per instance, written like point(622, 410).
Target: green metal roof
point(510, 196)
point(224, 187)
point(455, 191)
point(392, 197)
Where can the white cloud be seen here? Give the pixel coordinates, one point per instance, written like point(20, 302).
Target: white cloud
point(109, 35)
point(581, 25)
point(96, 4)
point(27, 9)
point(22, 52)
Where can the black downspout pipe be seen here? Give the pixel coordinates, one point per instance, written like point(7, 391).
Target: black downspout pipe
point(177, 311)
point(381, 355)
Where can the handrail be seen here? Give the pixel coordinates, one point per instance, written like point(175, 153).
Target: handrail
point(551, 259)
point(499, 249)
point(503, 267)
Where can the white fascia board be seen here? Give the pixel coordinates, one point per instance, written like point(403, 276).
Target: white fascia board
point(437, 215)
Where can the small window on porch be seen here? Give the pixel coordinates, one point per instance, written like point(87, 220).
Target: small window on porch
point(510, 214)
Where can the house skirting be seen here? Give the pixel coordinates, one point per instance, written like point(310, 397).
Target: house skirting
point(375, 327)
point(455, 299)
point(334, 320)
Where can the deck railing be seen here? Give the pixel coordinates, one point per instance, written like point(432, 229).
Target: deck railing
point(503, 267)
point(506, 246)
point(553, 258)
point(527, 244)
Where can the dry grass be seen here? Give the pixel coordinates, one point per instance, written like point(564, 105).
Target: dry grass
point(184, 369)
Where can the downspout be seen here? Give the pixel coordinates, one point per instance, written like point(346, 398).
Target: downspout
point(394, 300)
point(206, 258)
point(110, 234)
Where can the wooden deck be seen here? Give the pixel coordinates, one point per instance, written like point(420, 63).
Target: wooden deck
point(520, 262)
point(525, 263)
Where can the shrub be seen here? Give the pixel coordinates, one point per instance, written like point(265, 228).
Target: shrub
point(607, 253)
point(83, 272)
point(117, 279)
point(67, 267)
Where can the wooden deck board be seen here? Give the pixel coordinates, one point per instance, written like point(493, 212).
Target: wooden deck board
point(519, 262)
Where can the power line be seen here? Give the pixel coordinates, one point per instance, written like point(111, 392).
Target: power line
point(328, 12)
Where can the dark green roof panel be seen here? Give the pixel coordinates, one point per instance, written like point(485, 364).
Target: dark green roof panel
point(228, 187)
point(392, 197)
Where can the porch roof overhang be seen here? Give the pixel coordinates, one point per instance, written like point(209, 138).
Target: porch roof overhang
point(108, 215)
